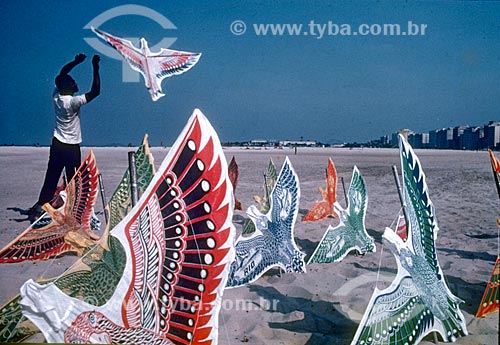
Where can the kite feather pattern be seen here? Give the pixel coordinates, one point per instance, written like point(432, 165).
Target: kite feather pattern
point(418, 301)
point(178, 242)
point(69, 229)
point(351, 232)
point(154, 67)
point(324, 208)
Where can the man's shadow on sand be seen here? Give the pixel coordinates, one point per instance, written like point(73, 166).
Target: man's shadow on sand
point(325, 323)
point(22, 212)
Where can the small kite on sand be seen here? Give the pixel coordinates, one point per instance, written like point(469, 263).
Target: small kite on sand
point(324, 208)
point(351, 233)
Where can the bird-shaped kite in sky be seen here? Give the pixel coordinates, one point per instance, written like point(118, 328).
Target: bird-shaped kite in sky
point(272, 244)
point(324, 208)
point(154, 67)
point(418, 301)
point(70, 227)
point(178, 243)
point(351, 233)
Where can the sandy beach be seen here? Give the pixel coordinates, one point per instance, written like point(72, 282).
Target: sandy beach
point(324, 305)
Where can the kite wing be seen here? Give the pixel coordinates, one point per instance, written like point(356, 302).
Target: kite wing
point(154, 67)
point(178, 245)
point(82, 194)
point(351, 233)
point(324, 208)
point(396, 315)
point(419, 299)
point(419, 207)
point(69, 228)
point(134, 56)
point(273, 243)
point(233, 176)
point(489, 302)
point(270, 177)
point(495, 164)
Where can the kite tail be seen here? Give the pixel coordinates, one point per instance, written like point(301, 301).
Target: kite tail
point(455, 324)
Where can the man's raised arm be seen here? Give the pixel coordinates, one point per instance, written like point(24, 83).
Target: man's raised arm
point(69, 66)
point(95, 90)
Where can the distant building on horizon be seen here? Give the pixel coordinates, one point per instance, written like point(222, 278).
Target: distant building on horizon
point(454, 138)
point(258, 142)
point(298, 143)
point(492, 135)
point(404, 132)
point(283, 143)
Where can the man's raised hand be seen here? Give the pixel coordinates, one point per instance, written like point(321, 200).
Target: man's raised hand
point(95, 60)
point(80, 58)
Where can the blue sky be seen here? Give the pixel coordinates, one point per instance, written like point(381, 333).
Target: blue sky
point(333, 89)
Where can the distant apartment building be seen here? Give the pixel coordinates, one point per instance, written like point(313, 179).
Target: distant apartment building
point(492, 135)
point(470, 138)
point(444, 138)
point(384, 140)
point(433, 139)
point(425, 140)
point(406, 133)
point(457, 137)
point(419, 140)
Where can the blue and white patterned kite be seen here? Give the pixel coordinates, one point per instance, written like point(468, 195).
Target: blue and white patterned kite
point(272, 244)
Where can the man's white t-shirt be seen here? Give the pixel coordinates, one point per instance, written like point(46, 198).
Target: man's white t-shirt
point(67, 110)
